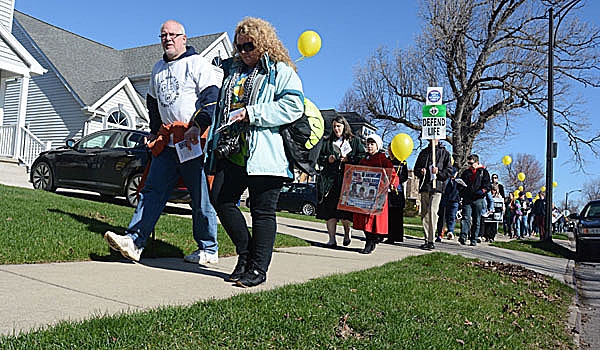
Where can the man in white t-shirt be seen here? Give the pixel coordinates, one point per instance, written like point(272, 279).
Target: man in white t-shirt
point(181, 99)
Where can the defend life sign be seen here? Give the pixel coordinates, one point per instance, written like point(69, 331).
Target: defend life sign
point(434, 122)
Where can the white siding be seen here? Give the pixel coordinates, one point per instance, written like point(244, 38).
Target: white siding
point(11, 102)
point(53, 114)
point(120, 97)
point(6, 13)
point(9, 56)
point(217, 50)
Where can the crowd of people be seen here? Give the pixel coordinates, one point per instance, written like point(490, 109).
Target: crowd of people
point(241, 115)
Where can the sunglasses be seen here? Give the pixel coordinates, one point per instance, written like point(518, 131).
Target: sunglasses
point(245, 47)
point(470, 163)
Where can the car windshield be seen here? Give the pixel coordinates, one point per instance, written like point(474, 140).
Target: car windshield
point(592, 210)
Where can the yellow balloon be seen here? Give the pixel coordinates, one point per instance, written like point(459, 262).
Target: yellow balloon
point(402, 146)
point(506, 160)
point(537, 196)
point(521, 176)
point(554, 183)
point(516, 193)
point(309, 43)
point(520, 188)
point(543, 188)
point(528, 194)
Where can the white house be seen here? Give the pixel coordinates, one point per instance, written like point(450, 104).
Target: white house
point(88, 86)
point(18, 66)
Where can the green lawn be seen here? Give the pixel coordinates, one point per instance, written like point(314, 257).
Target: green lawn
point(432, 301)
point(536, 246)
point(38, 226)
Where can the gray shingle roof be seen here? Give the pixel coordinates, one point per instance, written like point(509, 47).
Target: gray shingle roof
point(90, 67)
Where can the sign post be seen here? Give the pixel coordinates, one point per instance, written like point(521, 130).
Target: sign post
point(434, 120)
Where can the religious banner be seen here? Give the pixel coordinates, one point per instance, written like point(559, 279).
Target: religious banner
point(364, 189)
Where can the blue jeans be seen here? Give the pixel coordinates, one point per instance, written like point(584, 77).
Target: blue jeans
point(525, 225)
point(451, 210)
point(165, 171)
point(471, 214)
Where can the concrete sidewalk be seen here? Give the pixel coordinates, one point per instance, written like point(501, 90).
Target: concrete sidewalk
point(37, 295)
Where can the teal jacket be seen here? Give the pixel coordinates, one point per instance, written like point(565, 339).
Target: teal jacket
point(276, 99)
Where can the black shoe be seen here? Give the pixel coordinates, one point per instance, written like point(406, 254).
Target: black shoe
point(438, 239)
point(238, 271)
point(251, 278)
point(389, 241)
point(430, 245)
point(369, 248)
point(347, 242)
point(473, 244)
point(331, 245)
point(426, 245)
point(462, 241)
point(478, 240)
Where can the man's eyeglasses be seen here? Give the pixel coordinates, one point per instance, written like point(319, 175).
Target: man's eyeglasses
point(245, 47)
point(163, 36)
point(470, 163)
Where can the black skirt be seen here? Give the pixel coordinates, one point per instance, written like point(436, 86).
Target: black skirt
point(327, 207)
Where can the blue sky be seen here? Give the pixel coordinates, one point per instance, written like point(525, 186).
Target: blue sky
point(350, 32)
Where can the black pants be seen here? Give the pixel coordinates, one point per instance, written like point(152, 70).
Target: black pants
point(229, 183)
point(396, 223)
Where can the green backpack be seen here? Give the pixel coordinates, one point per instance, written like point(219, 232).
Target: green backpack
point(303, 138)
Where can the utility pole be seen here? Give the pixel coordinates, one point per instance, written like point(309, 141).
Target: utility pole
point(550, 132)
point(567, 198)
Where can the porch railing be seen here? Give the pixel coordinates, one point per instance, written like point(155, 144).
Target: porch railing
point(7, 140)
point(31, 147)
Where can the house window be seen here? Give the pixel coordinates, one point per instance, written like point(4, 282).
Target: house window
point(118, 118)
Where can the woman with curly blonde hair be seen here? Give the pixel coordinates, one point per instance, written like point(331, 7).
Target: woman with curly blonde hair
point(261, 92)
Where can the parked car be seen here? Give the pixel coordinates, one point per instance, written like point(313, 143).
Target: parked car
point(110, 162)
point(587, 231)
point(298, 197)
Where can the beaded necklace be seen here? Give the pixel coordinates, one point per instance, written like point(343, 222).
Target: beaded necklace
point(248, 85)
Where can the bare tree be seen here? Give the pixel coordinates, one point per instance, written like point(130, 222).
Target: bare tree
point(591, 190)
point(528, 165)
point(491, 58)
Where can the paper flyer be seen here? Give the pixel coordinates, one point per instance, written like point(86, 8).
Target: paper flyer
point(184, 153)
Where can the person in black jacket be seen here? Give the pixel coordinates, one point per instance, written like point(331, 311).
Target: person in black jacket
point(428, 174)
point(396, 201)
point(477, 180)
point(448, 207)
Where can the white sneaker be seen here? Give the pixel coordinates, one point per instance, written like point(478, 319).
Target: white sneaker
point(124, 244)
point(208, 258)
point(449, 235)
point(201, 257)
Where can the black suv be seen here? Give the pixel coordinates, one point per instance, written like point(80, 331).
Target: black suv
point(298, 197)
point(587, 232)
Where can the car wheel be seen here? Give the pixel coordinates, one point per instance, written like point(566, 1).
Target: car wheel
point(308, 209)
point(131, 190)
point(42, 177)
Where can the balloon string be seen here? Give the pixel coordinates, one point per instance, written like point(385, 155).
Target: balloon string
point(299, 59)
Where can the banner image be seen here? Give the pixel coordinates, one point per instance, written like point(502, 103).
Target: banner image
point(364, 189)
